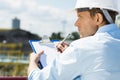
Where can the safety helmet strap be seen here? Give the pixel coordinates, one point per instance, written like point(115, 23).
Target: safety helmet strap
point(107, 15)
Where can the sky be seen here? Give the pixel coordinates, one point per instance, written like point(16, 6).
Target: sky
point(41, 17)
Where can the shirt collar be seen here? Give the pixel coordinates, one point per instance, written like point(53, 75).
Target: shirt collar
point(107, 28)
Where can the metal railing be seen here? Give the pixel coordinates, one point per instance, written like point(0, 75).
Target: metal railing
point(13, 59)
point(13, 78)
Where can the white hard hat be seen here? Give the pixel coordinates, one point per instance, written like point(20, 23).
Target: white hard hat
point(102, 4)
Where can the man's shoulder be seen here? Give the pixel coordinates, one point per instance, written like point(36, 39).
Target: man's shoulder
point(91, 40)
point(84, 41)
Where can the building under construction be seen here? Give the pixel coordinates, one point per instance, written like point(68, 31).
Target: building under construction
point(14, 51)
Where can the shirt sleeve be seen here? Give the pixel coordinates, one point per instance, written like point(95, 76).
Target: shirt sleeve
point(47, 73)
point(61, 68)
point(30, 76)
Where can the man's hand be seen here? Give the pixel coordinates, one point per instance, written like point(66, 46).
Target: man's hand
point(62, 46)
point(34, 59)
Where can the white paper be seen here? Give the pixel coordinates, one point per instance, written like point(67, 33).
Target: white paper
point(50, 51)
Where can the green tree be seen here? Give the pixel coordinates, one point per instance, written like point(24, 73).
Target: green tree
point(56, 36)
point(74, 36)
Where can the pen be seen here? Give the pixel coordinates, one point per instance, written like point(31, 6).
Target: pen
point(65, 38)
point(62, 44)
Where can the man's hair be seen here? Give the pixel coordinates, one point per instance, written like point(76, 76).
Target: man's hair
point(93, 11)
point(113, 14)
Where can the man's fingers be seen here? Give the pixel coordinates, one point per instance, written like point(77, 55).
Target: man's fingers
point(35, 56)
point(40, 53)
point(61, 47)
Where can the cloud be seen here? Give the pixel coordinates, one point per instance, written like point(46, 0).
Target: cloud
point(35, 17)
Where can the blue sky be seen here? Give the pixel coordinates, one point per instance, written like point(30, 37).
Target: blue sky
point(41, 17)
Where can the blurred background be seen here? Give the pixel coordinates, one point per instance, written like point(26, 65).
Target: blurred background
point(23, 20)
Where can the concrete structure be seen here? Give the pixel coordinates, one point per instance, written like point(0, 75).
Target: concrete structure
point(16, 23)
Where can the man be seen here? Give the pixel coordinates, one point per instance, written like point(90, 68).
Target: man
point(95, 56)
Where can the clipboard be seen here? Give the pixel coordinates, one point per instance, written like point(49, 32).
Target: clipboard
point(50, 51)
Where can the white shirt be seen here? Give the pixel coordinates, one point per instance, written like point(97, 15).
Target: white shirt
point(92, 58)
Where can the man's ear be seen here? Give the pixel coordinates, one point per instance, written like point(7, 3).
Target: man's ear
point(99, 19)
